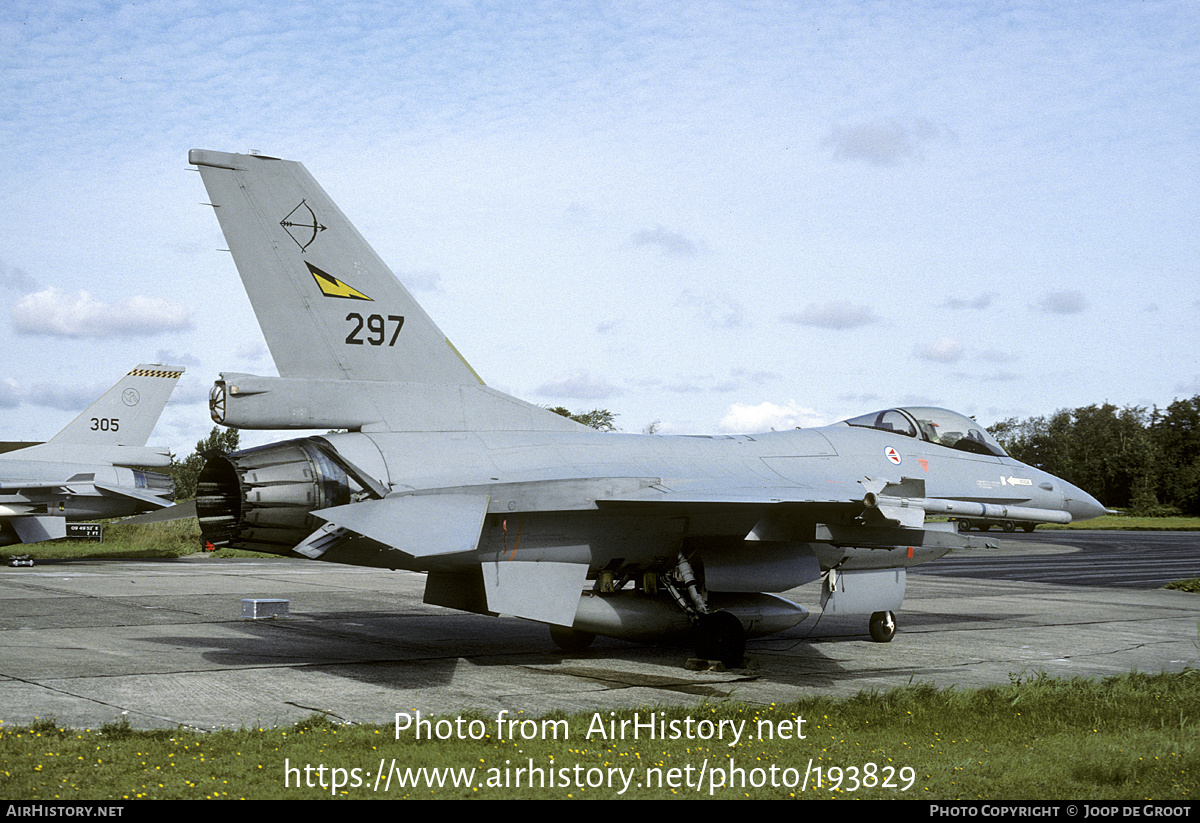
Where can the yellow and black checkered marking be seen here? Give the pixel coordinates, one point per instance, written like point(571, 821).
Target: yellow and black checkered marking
point(330, 286)
point(155, 373)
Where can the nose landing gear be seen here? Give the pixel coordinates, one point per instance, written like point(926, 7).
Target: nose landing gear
point(883, 627)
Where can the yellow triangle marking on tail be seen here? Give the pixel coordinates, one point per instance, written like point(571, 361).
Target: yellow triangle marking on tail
point(330, 286)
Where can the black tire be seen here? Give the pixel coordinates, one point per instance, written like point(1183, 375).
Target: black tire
point(721, 636)
point(883, 627)
point(964, 525)
point(570, 640)
point(1029, 527)
point(1008, 526)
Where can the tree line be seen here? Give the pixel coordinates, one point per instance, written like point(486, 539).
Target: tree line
point(186, 472)
point(1144, 460)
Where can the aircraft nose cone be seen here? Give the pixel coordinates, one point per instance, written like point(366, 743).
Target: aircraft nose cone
point(1080, 504)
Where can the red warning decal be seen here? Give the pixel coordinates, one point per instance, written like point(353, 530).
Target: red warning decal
point(892, 455)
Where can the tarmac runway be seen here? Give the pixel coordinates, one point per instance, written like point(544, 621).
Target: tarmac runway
point(163, 643)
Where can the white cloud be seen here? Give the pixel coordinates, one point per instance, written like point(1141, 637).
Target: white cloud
point(714, 309)
point(669, 242)
point(1192, 387)
point(14, 278)
point(742, 418)
point(64, 398)
point(253, 350)
point(882, 143)
point(579, 386)
point(56, 313)
point(424, 281)
point(1064, 302)
point(980, 302)
point(837, 315)
point(10, 394)
point(942, 350)
point(171, 358)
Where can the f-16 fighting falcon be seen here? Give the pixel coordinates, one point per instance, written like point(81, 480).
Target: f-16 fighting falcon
point(512, 509)
point(94, 468)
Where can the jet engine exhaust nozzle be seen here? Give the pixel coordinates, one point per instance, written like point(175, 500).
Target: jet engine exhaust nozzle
point(262, 499)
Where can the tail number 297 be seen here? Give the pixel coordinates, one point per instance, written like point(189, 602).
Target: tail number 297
point(375, 326)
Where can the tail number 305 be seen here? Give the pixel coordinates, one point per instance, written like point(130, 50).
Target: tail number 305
point(375, 327)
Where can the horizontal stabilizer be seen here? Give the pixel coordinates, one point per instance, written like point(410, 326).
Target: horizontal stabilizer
point(546, 592)
point(180, 511)
point(134, 494)
point(419, 525)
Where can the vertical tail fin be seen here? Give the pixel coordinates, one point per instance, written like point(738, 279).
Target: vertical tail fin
point(127, 413)
point(328, 305)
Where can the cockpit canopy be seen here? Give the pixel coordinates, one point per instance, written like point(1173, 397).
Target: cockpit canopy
point(941, 426)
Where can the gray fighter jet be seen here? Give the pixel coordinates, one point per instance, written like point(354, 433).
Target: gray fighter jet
point(512, 509)
point(94, 468)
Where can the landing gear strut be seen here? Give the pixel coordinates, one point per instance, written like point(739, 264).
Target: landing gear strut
point(883, 627)
point(717, 635)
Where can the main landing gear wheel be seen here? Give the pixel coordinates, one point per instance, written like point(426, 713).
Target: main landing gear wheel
point(883, 627)
point(720, 636)
point(570, 640)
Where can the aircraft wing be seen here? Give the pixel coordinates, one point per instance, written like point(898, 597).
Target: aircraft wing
point(869, 512)
point(429, 525)
point(450, 520)
point(31, 485)
point(71, 485)
point(134, 494)
point(419, 525)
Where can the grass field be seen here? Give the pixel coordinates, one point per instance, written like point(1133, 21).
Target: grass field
point(1124, 738)
point(1038, 738)
point(177, 538)
point(1130, 523)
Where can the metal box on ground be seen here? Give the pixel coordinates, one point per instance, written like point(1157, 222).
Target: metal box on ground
point(264, 607)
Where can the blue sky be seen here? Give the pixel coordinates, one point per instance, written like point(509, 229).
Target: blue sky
point(718, 216)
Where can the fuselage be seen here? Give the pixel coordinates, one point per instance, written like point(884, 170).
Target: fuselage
point(827, 462)
point(631, 503)
point(73, 491)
